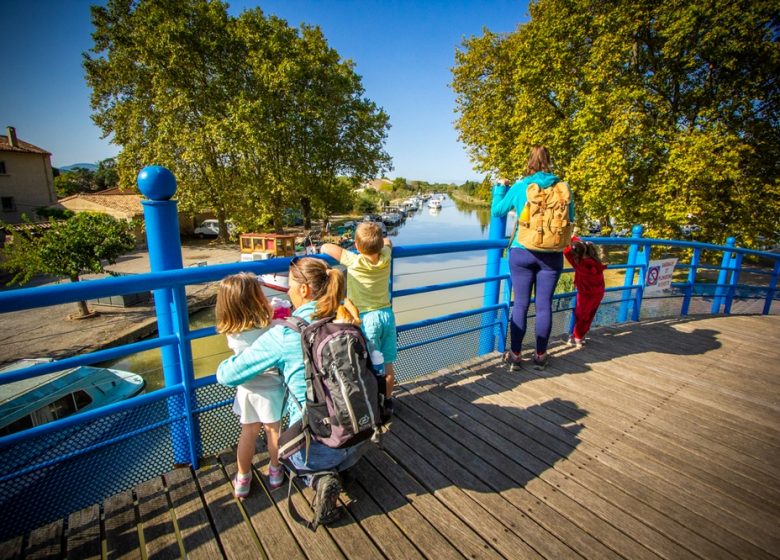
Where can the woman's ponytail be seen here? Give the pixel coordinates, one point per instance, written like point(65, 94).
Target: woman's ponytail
point(332, 295)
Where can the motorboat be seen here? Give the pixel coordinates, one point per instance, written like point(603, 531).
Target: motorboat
point(434, 203)
point(44, 398)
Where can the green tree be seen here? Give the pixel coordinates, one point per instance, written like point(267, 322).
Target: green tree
point(251, 115)
point(70, 248)
point(661, 113)
point(399, 184)
point(75, 181)
point(106, 176)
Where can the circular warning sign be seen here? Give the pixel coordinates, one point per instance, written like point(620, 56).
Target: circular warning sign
point(652, 275)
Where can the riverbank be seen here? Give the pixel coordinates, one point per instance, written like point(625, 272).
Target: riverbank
point(463, 197)
point(47, 331)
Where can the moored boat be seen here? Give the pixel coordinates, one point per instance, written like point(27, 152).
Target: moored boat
point(44, 398)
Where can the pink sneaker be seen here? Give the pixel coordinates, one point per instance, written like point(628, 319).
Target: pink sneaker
point(275, 476)
point(241, 485)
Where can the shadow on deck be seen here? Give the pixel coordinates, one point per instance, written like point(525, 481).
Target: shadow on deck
point(658, 439)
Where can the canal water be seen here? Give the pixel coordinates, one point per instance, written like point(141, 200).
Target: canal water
point(453, 222)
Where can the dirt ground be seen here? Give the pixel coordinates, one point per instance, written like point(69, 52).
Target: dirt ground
point(47, 331)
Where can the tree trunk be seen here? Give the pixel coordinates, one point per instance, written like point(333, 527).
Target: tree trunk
point(306, 208)
point(223, 234)
point(80, 305)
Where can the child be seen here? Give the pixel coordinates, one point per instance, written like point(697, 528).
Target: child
point(368, 286)
point(589, 281)
point(242, 309)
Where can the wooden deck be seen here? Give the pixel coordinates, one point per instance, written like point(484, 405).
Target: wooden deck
point(659, 439)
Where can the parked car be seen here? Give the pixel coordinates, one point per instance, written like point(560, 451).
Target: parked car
point(210, 228)
point(594, 228)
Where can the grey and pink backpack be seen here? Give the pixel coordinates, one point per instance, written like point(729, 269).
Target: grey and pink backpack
point(343, 393)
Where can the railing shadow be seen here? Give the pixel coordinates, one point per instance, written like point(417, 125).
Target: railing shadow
point(471, 445)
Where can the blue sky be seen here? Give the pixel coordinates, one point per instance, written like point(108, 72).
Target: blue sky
point(404, 51)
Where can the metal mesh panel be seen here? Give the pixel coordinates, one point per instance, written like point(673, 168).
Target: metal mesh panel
point(421, 360)
point(563, 309)
point(219, 427)
point(30, 499)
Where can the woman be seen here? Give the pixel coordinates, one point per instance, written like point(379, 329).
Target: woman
point(316, 290)
point(532, 265)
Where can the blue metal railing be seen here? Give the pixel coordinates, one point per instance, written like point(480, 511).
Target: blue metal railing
point(190, 418)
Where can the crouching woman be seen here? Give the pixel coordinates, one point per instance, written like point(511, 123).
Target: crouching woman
point(316, 290)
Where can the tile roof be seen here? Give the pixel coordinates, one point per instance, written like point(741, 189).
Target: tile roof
point(21, 146)
point(114, 199)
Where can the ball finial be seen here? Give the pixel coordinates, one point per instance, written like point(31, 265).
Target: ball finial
point(156, 182)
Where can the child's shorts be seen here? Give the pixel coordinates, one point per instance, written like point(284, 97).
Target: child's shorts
point(379, 328)
point(260, 399)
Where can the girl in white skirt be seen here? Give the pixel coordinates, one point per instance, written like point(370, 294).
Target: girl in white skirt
point(242, 310)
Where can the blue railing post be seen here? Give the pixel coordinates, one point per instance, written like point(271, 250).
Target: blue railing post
point(720, 289)
point(770, 293)
point(633, 251)
point(695, 259)
point(164, 246)
point(497, 230)
point(735, 263)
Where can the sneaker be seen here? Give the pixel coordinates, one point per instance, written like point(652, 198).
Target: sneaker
point(326, 497)
point(275, 476)
point(576, 342)
point(241, 485)
point(541, 361)
point(514, 360)
point(389, 406)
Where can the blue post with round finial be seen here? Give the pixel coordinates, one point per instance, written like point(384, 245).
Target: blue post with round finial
point(164, 245)
point(496, 230)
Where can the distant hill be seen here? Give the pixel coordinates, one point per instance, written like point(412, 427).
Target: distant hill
point(89, 166)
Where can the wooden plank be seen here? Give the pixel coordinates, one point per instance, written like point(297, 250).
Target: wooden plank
point(157, 526)
point(388, 537)
point(234, 533)
point(84, 534)
point(348, 535)
point(45, 542)
point(498, 481)
point(269, 525)
point(427, 539)
point(730, 515)
point(492, 517)
point(196, 533)
point(470, 543)
point(317, 545)
point(578, 503)
point(12, 548)
point(644, 488)
point(617, 497)
point(122, 542)
point(707, 482)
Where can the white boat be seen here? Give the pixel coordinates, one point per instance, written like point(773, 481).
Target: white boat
point(51, 396)
point(434, 203)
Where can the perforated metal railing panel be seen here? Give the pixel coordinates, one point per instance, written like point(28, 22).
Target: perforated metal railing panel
point(437, 352)
point(219, 427)
point(30, 497)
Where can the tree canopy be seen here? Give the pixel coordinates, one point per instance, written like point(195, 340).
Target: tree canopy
point(250, 114)
point(664, 113)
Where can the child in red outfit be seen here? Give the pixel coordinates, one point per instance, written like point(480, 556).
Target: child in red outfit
point(589, 281)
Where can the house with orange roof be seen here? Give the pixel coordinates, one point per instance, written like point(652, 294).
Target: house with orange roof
point(26, 179)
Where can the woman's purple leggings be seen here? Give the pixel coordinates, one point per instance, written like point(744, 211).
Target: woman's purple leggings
point(526, 269)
